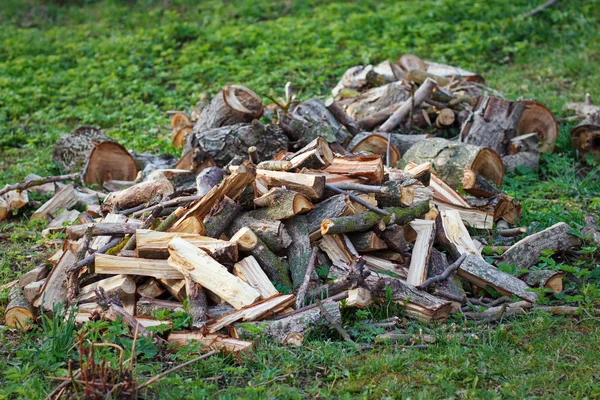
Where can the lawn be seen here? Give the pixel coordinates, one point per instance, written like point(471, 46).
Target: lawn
point(120, 65)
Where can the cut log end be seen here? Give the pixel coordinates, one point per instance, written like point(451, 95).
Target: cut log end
point(109, 161)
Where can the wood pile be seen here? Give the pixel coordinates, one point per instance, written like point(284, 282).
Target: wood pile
point(263, 228)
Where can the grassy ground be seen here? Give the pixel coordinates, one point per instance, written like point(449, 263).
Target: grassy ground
point(120, 66)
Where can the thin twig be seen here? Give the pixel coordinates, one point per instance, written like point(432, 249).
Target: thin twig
point(38, 182)
point(185, 364)
point(168, 203)
point(131, 244)
point(444, 275)
point(539, 9)
point(309, 270)
point(334, 323)
point(356, 199)
point(359, 187)
point(90, 259)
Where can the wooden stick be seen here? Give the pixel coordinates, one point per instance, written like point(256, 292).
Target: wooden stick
point(165, 204)
point(341, 116)
point(309, 270)
point(185, 364)
point(102, 229)
point(356, 199)
point(131, 244)
point(444, 275)
point(92, 257)
point(539, 9)
point(356, 186)
point(38, 182)
point(396, 118)
point(334, 323)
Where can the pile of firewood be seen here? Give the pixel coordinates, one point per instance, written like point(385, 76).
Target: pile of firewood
point(366, 188)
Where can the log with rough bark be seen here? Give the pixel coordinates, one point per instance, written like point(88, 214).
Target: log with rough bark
point(548, 279)
point(18, 313)
point(63, 199)
point(211, 341)
point(526, 252)
point(493, 123)
point(453, 234)
point(417, 303)
point(377, 100)
point(284, 204)
point(477, 185)
point(249, 270)
point(234, 104)
point(220, 217)
point(376, 143)
point(300, 249)
point(420, 95)
point(537, 118)
point(32, 290)
point(275, 165)
point(315, 155)
point(501, 206)
point(365, 221)
point(144, 192)
point(311, 186)
point(365, 242)
point(335, 206)
point(394, 194)
point(528, 159)
point(153, 244)
point(365, 166)
point(102, 229)
point(223, 143)
point(585, 137)
point(451, 285)
point(311, 119)
point(393, 236)
point(272, 233)
point(290, 330)
point(343, 118)
point(449, 159)
point(276, 268)
point(257, 311)
point(419, 262)
point(476, 270)
point(121, 286)
point(197, 306)
point(150, 289)
point(198, 266)
point(100, 157)
point(116, 265)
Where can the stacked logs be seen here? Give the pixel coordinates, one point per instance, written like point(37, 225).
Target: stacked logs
point(264, 228)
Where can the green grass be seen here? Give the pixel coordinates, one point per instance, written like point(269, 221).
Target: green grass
point(121, 66)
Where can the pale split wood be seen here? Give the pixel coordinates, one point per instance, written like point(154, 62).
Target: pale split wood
point(211, 341)
point(419, 262)
point(116, 265)
point(250, 272)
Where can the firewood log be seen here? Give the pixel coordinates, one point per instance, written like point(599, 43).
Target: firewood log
point(198, 266)
point(343, 118)
point(449, 160)
point(250, 272)
point(32, 290)
point(18, 313)
point(314, 113)
point(419, 262)
point(493, 123)
point(453, 234)
point(64, 198)
point(585, 137)
point(34, 275)
point(220, 217)
point(223, 143)
point(120, 286)
point(377, 99)
point(375, 143)
point(410, 62)
point(366, 166)
point(538, 118)
point(245, 239)
point(234, 104)
point(197, 306)
point(3, 209)
point(116, 265)
point(477, 185)
point(526, 252)
point(395, 194)
point(102, 158)
point(549, 279)
point(448, 71)
point(476, 270)
point(150, 289)
point(445, 118)
point(472, 217)
point(315, 155)
point(272, 233)
point(308, 185)
point(526, 159)
point(102, 229)
point(286, 204)
point(299, 250)
point(276, 268)
point(153, 244)
point(451, 285)
point(149, 306)
point(54, 290)
point(211, 341)
point(15, 199)
point(366, 242)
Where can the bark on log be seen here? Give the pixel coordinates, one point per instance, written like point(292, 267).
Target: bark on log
point(343, 118)
point(366, 242)
point(585, 137)
point(102, 229)
point(197, 304)
point(150, 289)
point(224, 143)
point(149, 306)
point(54, 290)
point(449, 160)
point(299, 250)
point(63, 199)
point(234, 104)
point(18, 313)
point(526, 252)
point(375, 143)
point(526, 159)
point(220, 217)
point(276, 269)
point(272, 233)
point(395, 194)
point(539, 119)
point(313, 112)
point(376, 100)
point(315, 155)
point(476, 270)
point(477, 185)
point(549, 279)
point(393, 237)
point(333, 207)
point(287, 205)
point(421, 94)
point(365, 221)
point(493, 123)
point(100, 157)
point(451, 285)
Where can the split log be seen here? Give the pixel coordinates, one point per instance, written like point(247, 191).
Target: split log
point(289, 330)
point(272, 233)
point(419, 262)
point(453, 235)
point(315, 114)
point(395, 195)
point(32, 290)
point(337, 248)
point(232, 186)
point(200, 267)
point(552, 280)
point(54, 290)
point(112, 310)
point(36, 274)
point(257, 311)
point(441, 191)
point(421, 94)
point(102, 229)
point(501, 206)
point(39, 184)
point(474, 218)
point(101, 158)
point(365, 242)
point(311, 186)
point(285, 204)
point(359, 298)
point(195, 160)
point(537, 118)
point(315, 155)
point(365, 221)
point(476, 270)
point(64, 198)
point(223, 143)
point(376, 143)
point(151, 289)
point(493, 124)
point(245, 239)
point(369, 167)
point(180, 133)
point(449, 160)
point(15, 199)
point(477, 185)
point(121, 286)
point(448, 71)
point(385, 266)
point(59, 224)
point(526, 252)
point(376, 100)
point(417, 303)
point(211, 341)
point(220, 217)
point(234, 104)
point(299, 250)
point(115, 265)
point(144, 192)
point(18, 313)
point(250, 272)
point(276, 269)
point(393, 236)
point(153, 244)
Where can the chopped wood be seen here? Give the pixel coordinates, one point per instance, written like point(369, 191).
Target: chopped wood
point(357, 199)
point(102, 229)
point(211, 341)
point(272, 233)
point(376, 143)
point(32, 290)
point(30, 182)
point(526, 252)
point(150, 289)
point(343, 118)
point(366, 166)
point(153, 244)
point(18, 313)
point(444, 275)
point(359, 298)
point(175, 286)
point(310, 269)
point(365, 242)
point(220, 217)
point(64, 198)
point(112, 310)
point(299, 250)
point(276, 269)
point(121, 286)
point(473, 218)
point(59, 223)
point(315, 155)
point(403, 111)
point(198, 266)
point(336, 248)
point(393, 236)
point(528, 159)
point(419, 262)
point(15, 200)
point(476, 270)
point(149, 306)
point(54, 290)
point(528, 142)
point(197, 306)
point(250, 272)
point(450, 287)
point(245, 239)
point(141, 193)
point(394, 194)
point(259, 310)
point(477, 185)
point(445, 118)
point(311, 186)
point(549, 279)
point(285, 204)
point(453, 234)
point(116, 265)
point(36, 274)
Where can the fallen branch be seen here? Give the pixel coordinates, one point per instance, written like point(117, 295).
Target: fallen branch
point(185, 364)
point(356, 199)
point(309, 270)
point(38, 182)
point(334, 323)
point(539, 9)
point(444, 275)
